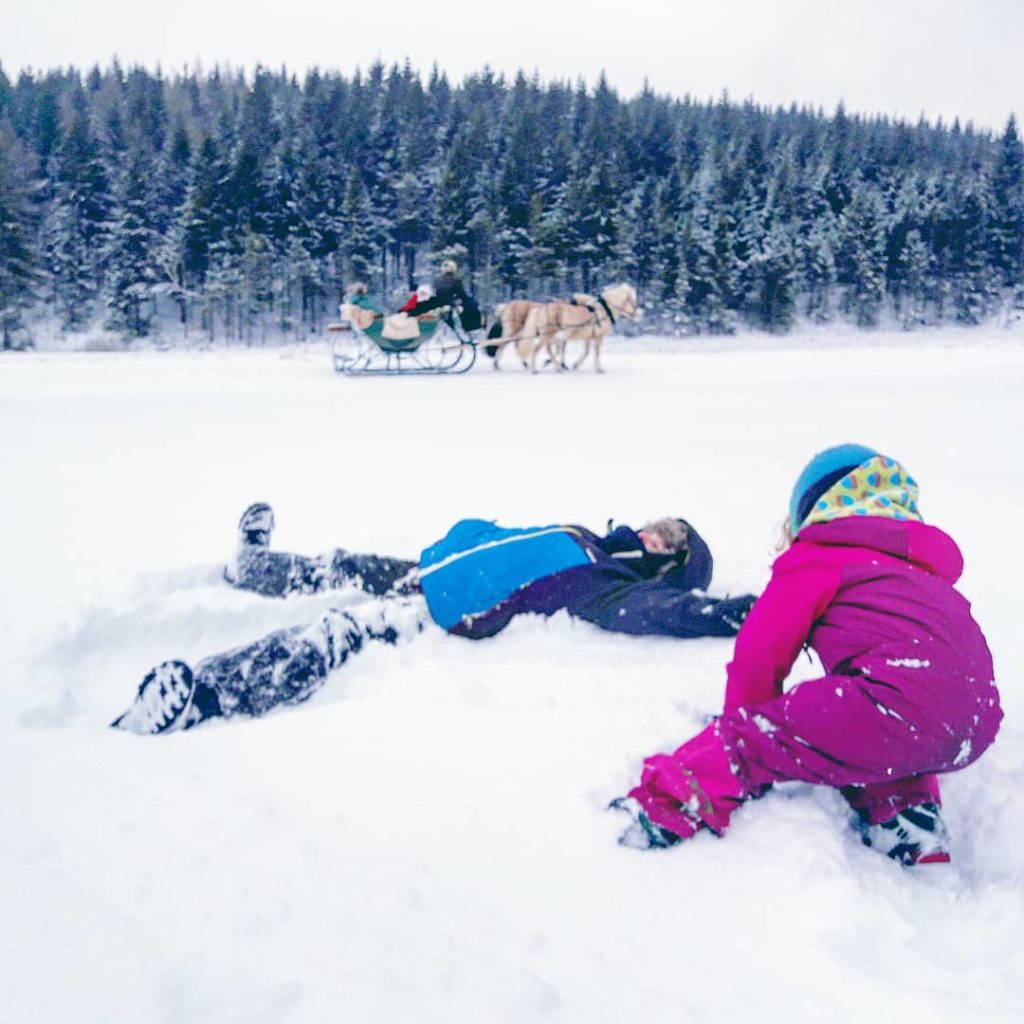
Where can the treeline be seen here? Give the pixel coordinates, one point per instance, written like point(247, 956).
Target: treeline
point(241, 205)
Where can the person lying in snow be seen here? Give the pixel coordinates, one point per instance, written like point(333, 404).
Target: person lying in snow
point(471, 583)
point(909, 687)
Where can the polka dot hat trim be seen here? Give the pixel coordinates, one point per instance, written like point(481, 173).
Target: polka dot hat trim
point(878, 487)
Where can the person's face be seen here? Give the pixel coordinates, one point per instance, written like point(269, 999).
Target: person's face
point(654, 543)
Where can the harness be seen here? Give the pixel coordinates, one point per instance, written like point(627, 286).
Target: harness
point(593, 309)
point(548, 329)
point(606, 308)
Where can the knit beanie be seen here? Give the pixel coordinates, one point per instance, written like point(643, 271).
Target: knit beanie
point(820, 474)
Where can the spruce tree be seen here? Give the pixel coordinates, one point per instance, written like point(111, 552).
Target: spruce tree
point(358, 251)
point(79, 221)
point(976, 278)
point(863, 246)
point(20, 270)
point(916, 265)
point(1008, 212)
point(777, 285)
point(133, 251)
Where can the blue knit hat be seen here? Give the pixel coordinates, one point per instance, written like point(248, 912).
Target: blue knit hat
point(820, 474)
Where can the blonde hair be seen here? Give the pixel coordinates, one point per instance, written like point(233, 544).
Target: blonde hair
point(786, 536)
point(358, 288)
point(674, 532)
point(449, 267)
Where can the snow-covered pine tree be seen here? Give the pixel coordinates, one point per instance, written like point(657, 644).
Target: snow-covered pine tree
point(359, 256)
point(20, 261)
point(666, 254)
point(462, 214)
point(916, 264)
point(707, 264)
point(132, 252)
point(976, 280)
point(641, 217)
point(517, 182)
point(863, 249)
point(1008, 213)
point(79, 218)
point(777, 289)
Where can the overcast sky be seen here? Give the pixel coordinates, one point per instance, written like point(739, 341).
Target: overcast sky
point(948, 58)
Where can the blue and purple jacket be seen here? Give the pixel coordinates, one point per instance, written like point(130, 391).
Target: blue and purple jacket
point(480, 575)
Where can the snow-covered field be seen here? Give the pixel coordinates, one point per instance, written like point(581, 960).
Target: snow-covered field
point(425, 840)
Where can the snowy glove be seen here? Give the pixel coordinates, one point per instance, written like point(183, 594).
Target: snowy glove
point(733, 611)
point(642, 834)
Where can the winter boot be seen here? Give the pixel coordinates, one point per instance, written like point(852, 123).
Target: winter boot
point(917, 835)
point(254, 530)
point(256, 525)
point(168, 699)
point(643, 834)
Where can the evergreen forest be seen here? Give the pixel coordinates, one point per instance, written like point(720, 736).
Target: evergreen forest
point(239, 206)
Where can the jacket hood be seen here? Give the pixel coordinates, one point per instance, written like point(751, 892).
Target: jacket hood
point(879, 486)
point(915, 542)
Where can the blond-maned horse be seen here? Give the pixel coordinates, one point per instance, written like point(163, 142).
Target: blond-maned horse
point(550, 326)
point(512, 316)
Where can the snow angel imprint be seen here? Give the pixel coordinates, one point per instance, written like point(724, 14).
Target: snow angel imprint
point(472, 582)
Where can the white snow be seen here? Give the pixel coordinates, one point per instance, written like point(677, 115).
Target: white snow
point(426, 839)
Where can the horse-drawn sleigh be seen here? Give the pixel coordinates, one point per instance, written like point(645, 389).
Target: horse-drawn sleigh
point(367, 342)
point(444, 339)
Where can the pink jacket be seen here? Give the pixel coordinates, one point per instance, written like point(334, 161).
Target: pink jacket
point(867, 594)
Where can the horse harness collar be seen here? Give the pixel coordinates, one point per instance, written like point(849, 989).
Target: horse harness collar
point(601, 301)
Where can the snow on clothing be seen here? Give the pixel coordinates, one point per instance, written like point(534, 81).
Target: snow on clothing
point(289, 665)
point(908, 691)
point(279, 573)
point(474, 581)
point(285, 667)
point(480, 575)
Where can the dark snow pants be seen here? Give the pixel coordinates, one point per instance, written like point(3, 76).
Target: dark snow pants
point(290, 665)
point(279, 573)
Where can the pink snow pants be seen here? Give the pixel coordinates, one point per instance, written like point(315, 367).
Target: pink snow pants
point(880, 742)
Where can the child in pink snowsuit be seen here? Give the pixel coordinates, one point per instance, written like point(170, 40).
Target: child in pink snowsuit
point(908, 691)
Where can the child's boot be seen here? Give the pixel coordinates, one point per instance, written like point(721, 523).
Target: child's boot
point(169, 698)
point(256, 525)
point(917, 835)
point(254, 530)
point(643, 834)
